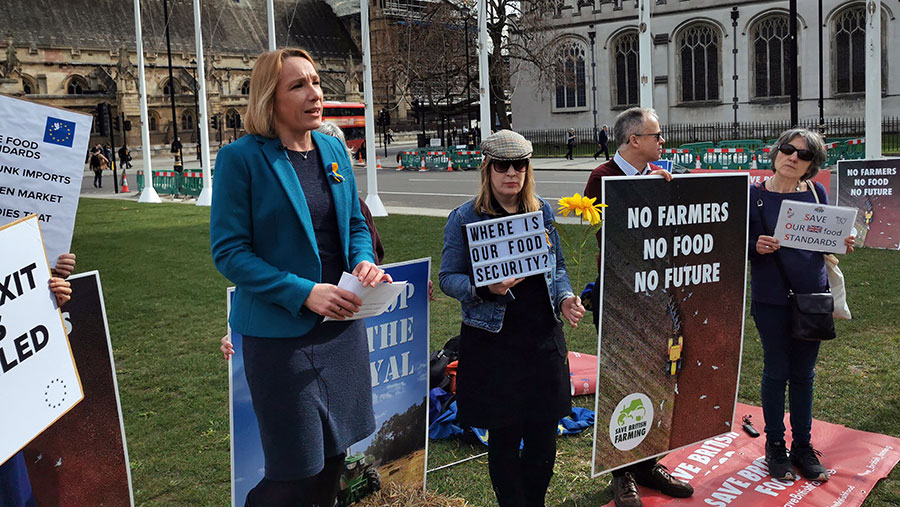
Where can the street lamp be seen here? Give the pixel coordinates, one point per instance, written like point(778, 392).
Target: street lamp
point(734, 105)
point(196, 108)
point(593, 35)
point(466, 12)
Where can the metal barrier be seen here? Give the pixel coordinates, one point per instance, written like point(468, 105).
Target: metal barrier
point(726, 158)
point(436, 160)
point(679, 156)
point(191, 183)
point(856, 149)
point(466, 160)
point(410, 159)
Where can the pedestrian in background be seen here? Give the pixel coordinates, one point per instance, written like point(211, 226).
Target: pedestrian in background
point(285, 224)
point(570, 144)
point(125, 157)
point(98, 163)
point(603, 143)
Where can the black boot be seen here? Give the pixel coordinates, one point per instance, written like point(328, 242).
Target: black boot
point(777, 458)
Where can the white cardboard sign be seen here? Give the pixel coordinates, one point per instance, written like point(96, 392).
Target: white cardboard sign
point(813, 226)
point(42, 152)
point(508, 247)
point(38, 379)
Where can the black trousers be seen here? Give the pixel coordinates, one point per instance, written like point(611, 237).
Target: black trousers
point(602, 149)
point(521, 478)
point(320, 490)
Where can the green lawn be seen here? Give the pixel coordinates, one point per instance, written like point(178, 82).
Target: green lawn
point(166, 309)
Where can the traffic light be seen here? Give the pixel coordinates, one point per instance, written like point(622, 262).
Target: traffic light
point(116, 123)
point(387, 118)
point(103, 118)
point(214, 122)
point(127, 125)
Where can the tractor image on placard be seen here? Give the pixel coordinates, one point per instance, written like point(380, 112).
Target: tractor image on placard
point(359, 480)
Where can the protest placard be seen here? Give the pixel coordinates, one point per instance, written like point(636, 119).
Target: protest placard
point(671, 313)
point(872, 187)
point(398, 364)
point(823, 177)
point(508, 247)
point(42, 152)
point(82, 460)
point(38, 379)
point(813, 226)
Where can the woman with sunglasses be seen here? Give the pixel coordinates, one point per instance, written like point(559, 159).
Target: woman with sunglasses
point(512, 377)
point(796, 158)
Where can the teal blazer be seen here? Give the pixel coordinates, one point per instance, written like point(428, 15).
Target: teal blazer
point(262, 237)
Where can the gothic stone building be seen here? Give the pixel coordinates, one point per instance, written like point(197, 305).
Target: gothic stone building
point(84, 53)
point(693, 64)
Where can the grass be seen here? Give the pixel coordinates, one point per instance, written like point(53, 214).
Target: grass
point(166, 308)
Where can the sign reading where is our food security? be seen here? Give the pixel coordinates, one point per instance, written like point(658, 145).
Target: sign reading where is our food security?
point(398, 365)
point(872, 187)
point(508, 247)
point(38, 380)
point(813, 226)
point(671, 313)
point(82, 460)
point(42, 152)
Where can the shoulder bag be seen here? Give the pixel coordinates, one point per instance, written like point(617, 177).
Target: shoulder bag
point(835, 278)
point(811, 313)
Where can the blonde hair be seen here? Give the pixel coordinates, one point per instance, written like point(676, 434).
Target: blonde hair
point(263, 82)
point(527, 200)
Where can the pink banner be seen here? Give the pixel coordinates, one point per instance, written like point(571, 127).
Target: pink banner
point(730, 470)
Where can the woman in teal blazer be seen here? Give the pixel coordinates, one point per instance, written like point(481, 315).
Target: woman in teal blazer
point(285, 223)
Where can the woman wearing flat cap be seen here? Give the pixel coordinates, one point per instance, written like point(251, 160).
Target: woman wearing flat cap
point(512, 377)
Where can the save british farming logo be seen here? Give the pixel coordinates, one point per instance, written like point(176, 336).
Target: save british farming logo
point(631, 421)
point(59, 132)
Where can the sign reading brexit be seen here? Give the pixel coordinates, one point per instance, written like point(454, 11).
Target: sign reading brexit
point(813, 226)
point(41, 164)
point(38, 380)
point(508, 247)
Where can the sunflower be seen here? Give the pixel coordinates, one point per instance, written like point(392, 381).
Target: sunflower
point(582, 206)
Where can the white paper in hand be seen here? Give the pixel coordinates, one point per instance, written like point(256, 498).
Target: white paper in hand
point(375, 300)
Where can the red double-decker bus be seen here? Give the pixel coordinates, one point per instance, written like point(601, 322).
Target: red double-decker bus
point(351, 117)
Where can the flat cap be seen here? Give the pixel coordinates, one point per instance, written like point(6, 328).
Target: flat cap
point(506, 145)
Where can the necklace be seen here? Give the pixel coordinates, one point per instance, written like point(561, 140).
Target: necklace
point(305, 154)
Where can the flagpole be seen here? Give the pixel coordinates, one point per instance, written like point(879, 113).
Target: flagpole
point(149, 193)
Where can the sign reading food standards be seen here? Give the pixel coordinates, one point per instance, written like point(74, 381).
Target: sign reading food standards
point(813, 226)
point(872, 187)
point(38, 380)
point(671, 313)
point(41, 164)
point(508, 247)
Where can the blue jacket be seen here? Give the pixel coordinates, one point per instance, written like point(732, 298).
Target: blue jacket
point(261, 232)
point(456, 282)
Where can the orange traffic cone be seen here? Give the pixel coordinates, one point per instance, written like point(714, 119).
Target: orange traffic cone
point(753, 163)
point(124, 183)
point(697, 165)
point(449, 165)
point(359, 157)
point(377, 163)
point(422, 167)
point(400, 164)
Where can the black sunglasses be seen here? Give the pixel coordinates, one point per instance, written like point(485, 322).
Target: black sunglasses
point(502, 166)
point(789, 149)
point(657, 135)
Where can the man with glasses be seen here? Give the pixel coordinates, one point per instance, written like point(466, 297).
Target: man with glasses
point(640, 143)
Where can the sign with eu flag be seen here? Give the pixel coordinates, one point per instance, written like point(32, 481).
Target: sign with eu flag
point(42, 152)
point(59, 132)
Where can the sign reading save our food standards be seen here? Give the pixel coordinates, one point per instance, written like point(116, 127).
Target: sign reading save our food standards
point(813, 226)
point(508, 247)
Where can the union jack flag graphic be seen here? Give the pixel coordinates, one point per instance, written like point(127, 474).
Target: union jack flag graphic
point(814, 228)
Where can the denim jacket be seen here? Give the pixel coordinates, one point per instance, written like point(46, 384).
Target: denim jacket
point(456, 282)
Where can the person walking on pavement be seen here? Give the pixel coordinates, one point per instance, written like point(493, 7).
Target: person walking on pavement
point(603, 143)
point(570, 144)
point(98, 163)
point(125, 157)
point(640, 143)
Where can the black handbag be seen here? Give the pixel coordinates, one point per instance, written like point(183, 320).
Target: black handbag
point(811, 314)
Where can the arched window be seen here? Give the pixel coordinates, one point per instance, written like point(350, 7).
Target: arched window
point(154, 122)
point(849, 51)
point(76, 86)
point(187, 121)
point(698, 50)
point(29, 86)
point(625, 68)
point(571, 90)
point(770, 56)
point(167, 88)
point(232, 119)
point(245, 87)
